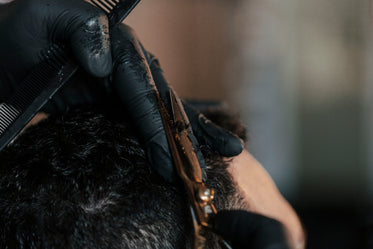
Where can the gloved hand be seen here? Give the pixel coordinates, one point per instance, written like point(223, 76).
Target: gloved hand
point(248, 230)
point(30, 26)
point(137, 77)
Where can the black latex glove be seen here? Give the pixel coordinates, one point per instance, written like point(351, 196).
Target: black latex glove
point(137, 77)
point(219, 139)
point(28, 27)
point(247, 230)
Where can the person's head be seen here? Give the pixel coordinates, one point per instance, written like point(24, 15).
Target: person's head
point(81, 180)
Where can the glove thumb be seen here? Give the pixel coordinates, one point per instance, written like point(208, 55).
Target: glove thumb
point(219, 139)
point(249, 230)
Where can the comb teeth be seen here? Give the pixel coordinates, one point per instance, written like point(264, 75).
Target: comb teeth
point(55, 56)
point(48, 77)
point(116, 10)
point(38, 87)
point(54, 61)
point(9, 114)
point(26, 93)
point(106, 5)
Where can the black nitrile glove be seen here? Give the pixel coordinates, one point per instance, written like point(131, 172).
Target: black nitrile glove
point(247, 230)
point(137, 77)
point(28, 27)
point(219, 139)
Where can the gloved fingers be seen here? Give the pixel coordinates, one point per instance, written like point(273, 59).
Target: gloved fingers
point(248, 230)
point(219, 139)
point(160, 81)
point(134, 84)
point(225, 142)
point(82, 89)
point(86, 28)
point(164, 91)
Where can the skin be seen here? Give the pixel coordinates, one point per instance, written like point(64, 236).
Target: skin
point(36, 119)
point(264, 198)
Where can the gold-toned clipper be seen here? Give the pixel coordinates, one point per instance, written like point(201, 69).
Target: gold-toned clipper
point(178, 132)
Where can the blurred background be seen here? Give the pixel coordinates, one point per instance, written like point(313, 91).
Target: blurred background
point(300, 73)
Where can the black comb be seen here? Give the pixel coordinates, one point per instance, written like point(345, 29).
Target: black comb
point(48, 77)
point(116, 10)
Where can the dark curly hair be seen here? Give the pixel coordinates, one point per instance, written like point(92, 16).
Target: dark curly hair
point(81, 180)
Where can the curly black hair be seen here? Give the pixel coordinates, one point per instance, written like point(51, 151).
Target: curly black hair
point(81, 180)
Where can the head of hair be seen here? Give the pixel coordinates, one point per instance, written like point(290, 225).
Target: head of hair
point(81, 180)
